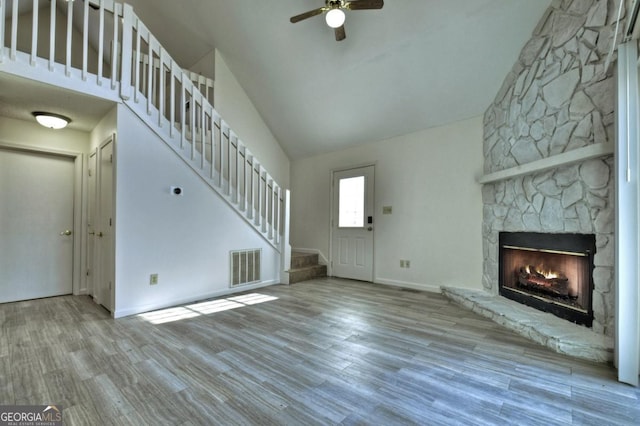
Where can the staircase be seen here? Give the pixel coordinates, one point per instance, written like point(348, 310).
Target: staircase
point(121, 60)
point(305, 266)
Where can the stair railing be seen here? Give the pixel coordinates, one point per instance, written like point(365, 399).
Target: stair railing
point(124, 57)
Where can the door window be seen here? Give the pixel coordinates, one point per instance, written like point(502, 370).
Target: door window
point(351, 202)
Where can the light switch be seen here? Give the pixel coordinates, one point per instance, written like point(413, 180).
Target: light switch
point(386, 209)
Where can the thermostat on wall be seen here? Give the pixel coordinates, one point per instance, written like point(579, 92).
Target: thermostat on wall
point(177, 190)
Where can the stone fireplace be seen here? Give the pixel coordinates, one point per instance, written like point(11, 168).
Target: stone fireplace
point(550, 272)
point(557, 100)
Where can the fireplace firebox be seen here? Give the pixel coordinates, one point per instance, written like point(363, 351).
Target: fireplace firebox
point(549, 272)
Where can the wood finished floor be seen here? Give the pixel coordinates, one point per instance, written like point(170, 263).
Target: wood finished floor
point(324, 352)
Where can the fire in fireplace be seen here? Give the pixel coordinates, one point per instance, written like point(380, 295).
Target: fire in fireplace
point(550, 272)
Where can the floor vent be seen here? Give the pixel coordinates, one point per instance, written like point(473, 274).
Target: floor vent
point(245, 267)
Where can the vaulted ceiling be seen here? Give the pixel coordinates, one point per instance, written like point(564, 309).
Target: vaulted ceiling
point(412, 65)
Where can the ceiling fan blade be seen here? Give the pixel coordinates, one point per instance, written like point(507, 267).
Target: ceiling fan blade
point(306, 15)
point(364, 4)
point(340, 34)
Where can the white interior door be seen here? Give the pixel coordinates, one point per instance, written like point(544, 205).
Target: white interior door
point(104, 292)
point(36, 225)
point(352, 224)
point(91, 221)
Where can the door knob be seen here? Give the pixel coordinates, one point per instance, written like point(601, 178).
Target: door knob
point(370, 228)
point(99, 234)
point(66, 232)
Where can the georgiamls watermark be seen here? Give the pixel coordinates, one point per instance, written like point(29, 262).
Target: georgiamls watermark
point(30, 415)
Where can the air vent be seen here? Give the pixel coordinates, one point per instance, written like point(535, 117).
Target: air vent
point(245, 267)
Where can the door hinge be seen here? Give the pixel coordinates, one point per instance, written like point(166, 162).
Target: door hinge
point(110, 222)
point(90, 172)
point(88, 272)
point(111, 158)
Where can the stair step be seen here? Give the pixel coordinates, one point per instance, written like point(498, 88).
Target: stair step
point(301, 260)
point(307, 273)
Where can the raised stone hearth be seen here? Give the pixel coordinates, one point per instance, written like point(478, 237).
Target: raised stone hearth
point(560, 335)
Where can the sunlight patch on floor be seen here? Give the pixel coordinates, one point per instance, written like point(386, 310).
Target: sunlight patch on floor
point(205, 308)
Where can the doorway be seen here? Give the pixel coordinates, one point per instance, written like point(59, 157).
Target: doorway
point(352, 223)
point(36, 224)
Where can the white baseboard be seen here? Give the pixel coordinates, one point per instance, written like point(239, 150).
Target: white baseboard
point(322, 259)
point(119, 313)
point(406, 284)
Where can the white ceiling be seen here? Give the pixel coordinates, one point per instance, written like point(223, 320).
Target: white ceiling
point(19, 97)
point(412, 65)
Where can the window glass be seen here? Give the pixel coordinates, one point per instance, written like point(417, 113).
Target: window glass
point(351, 204)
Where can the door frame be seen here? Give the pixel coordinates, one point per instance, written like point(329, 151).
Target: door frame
point(90, 248)
point(332, 217)
point(79, 207)
point(99, 267)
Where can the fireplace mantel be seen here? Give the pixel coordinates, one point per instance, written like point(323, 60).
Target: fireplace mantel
point(566, 158)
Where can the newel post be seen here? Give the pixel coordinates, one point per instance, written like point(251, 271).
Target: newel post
point(285, 251)
point(127, 55)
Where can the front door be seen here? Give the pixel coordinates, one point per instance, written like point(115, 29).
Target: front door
point(352, 224)
point(36, 225)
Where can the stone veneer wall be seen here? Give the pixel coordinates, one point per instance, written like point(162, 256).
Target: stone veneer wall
point(557, 97)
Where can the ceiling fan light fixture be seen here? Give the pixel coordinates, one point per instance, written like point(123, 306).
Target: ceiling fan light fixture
point(50, 120)
point(335, 18)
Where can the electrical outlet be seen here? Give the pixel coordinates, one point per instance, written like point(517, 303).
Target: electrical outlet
point(402, 264)
point(407, 264)
point(387, 209)
point(153, 279)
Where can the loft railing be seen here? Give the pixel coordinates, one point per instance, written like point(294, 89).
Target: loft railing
point(104, 41)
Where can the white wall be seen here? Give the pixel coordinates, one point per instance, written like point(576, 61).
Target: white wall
point(236, 109)
point(429, 180)
point(27, 133)
point(185, 239)
point(206, 66)
point(105, 128)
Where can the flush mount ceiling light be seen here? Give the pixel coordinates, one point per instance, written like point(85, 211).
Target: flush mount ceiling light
point(335, 18)
point(50, 120)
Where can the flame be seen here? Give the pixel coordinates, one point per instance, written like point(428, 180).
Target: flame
point(540, 269)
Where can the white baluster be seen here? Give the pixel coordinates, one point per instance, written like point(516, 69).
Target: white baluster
point(100, 42)
point(127, 37)
point(52, 35)
point(69, 37)
point(114, 47)
point(149, 75)
point(183, 112)
point(138, 61)
point(2, 23)
point(172, 103)
point(203, 134)
point(14, 30)
point(34, 33)
point(161, 84)
point(85, 40)
point(192, 118)
point(259, 209)
point(238, 168)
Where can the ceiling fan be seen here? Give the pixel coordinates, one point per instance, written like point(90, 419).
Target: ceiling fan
point(335, 13)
